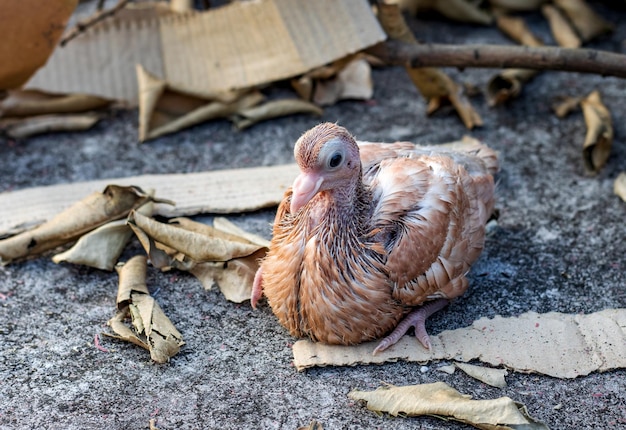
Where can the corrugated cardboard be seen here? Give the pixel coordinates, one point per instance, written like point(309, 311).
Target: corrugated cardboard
point(236, 46)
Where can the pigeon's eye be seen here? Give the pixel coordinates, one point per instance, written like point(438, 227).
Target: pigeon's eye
point(335, 160)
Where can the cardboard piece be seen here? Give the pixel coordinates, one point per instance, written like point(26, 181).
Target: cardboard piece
point(220, 191)
point(554, 344)
point(240, 45)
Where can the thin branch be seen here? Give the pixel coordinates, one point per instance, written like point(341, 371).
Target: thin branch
point(498, 56)
point(100, 15)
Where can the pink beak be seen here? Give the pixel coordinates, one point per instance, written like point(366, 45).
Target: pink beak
point(304, 189)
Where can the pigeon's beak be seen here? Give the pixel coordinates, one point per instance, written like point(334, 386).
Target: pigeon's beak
point(306, 185)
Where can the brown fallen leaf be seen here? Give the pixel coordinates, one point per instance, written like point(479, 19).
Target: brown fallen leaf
point(31, 126)
point(212, 255)
point(165, 107)
point(22, 103)
point(246, 117)
point(508, 83)
point(101, 248)
point(434, 85)
point(153, 330)
point(619, 186)
point(488, 375)
point(313, 425)
point(555, 344)
point(599, 137)
point(440, 399)
point(588, 24)
point(560, 27)
point(354, 81)
point(517, 5)
point(456, 10)
point(93, 211)
point(566, 106)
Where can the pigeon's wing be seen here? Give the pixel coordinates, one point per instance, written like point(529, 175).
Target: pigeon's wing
point(429, 215)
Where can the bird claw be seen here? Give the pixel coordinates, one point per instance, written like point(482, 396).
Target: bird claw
point(417, 320)
point(257, 288)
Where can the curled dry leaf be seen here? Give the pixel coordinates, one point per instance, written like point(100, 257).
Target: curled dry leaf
point(113, 203)
point(244, 118)
point(212, 255)
point(560, 27)
point(31, 126)
point(456, 10)
point(442, 400)
point(587, 23)
point(508, 83)
point(517, 5)
point(488, 375)
point(434, 85)
point(153, 330)
point(566, 106)
point(619, 186)
point(165, 108)
point(30, 102)
point(101, 248)
point(354, 81)
point(599, 137)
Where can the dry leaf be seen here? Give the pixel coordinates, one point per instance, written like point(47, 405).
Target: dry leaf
point(561, 30)
point(442, 400)
point(517, 5)
point(434, 85)
point(456, 10)
point(31, 126)
point(246, 117)
point(555, 344)
point(619, 186)
point(93, 211)
point(488, 375)
point(101, 248)
point(153, 329)
point(588, 24)
point(354, 81)
point(29, 102)
point(599, 137)
point(165, 108)
point(566, 106)
point(314, 425)
point(508, 83)
point(30, 32)
point(214, 256)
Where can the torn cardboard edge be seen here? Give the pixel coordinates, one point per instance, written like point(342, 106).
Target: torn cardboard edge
point(251, 43)
point(554, 344)
point(218, 191)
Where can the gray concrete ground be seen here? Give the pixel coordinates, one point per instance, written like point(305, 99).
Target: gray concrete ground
point(558, 246)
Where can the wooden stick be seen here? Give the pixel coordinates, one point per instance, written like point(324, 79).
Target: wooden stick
point(499, 56)
point(100, 15)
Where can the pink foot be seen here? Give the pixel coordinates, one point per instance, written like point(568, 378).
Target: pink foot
point(257, 288)
point(416, 319)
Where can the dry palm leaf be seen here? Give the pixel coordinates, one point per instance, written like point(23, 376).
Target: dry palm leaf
point(31, 126)
point(619, 186)
point(560, 27)
point(588, 24)
point(246, 117)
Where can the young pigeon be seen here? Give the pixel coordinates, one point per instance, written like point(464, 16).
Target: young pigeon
point(373, 238)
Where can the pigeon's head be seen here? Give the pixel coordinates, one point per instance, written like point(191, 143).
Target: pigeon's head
point(328, 157)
